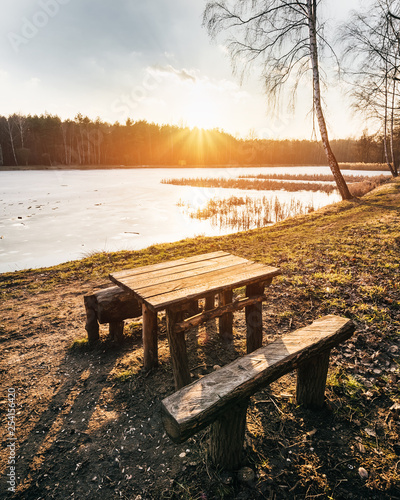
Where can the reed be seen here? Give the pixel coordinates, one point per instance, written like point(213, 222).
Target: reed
point(255, 184)
point(241, 214)
point(310, 177)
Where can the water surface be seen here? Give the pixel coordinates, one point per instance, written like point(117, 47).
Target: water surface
point(49, 217)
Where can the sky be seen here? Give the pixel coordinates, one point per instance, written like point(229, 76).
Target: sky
point(148, 59)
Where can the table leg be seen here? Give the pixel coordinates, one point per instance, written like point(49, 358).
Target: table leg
point(193, 308)
point(150, 347)
point(226, 320)
point(209, 302)
point(177, 347)
point(254, 318)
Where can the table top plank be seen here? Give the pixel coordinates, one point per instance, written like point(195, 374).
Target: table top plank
point(161, 276)
point(220, 282)
point(146, 270)
point(179, 281)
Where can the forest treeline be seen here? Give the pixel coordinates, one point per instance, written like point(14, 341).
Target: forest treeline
point(48, 140)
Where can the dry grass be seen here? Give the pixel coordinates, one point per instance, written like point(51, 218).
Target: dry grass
point(256, 184)
point(278, 182)
point(242, 214)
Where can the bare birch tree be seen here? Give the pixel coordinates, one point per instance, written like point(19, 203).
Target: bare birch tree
point(284, 36)
point(372, 44)
point(10, 130)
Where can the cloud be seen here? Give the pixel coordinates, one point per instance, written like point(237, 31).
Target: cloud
point(181, 74)
point(33, 82)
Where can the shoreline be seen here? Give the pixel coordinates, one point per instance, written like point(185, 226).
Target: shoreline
point(379, 167)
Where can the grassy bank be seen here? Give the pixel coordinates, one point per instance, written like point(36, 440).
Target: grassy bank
point(89, 419)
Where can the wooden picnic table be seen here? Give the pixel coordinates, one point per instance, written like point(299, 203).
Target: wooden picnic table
point(173, 286)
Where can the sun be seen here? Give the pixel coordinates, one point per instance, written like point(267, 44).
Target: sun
point(201, 111)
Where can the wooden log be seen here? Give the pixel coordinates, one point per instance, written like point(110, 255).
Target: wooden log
point(227, 437)
point(209, 302)
point(311, 381)
point(194, 407)
point(226, 320)
point(177, 347)
point(193, 307)
point(116, 330)
point(115, 304)
point(254, 318)
point(149, 333)
point(216, 312)
point(92, 325)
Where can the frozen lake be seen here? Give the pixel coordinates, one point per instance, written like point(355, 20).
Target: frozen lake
point(49, 217)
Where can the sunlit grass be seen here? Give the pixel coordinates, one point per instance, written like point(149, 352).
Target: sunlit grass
point(80, 344)
point(126, 375)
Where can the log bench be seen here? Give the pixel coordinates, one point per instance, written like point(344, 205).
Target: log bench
point(221, 397)
point(111, 305)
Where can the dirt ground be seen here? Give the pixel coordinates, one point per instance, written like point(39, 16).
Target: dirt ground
point(88, 419)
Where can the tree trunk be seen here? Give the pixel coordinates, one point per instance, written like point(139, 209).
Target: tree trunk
point(392, 120)
point(12, 141)
point(333, 164)
point(385, 125)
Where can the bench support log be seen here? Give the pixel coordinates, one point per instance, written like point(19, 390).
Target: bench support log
point(227, 437)
point(92, 325)
point(110, 305)
point(226, 320)
point(177, 347)
point(150, 347)
point(254, 318)
point(311, 381)
point(116, 329)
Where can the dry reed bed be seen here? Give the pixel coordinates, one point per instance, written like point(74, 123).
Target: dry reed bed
point(255, 184)
point(242, 214)
point(313, 177)
point(264, 184)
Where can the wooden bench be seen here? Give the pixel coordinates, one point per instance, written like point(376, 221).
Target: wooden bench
point(221, 397)
point(112, 305)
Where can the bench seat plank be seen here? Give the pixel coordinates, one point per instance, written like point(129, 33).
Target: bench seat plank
point(195, 406)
